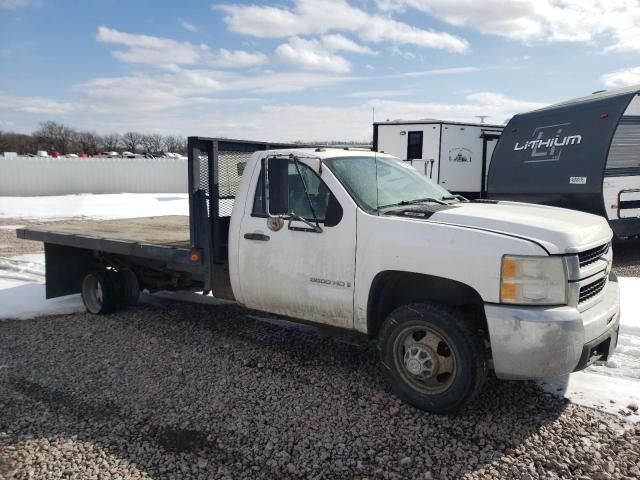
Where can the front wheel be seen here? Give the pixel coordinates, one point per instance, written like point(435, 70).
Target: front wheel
point(431, 357)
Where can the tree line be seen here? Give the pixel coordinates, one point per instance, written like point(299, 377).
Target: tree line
point(56, 137)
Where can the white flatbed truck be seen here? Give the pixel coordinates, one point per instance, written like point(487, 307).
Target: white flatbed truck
point(448, 289)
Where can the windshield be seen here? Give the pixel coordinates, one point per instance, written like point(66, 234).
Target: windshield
point(384, 185)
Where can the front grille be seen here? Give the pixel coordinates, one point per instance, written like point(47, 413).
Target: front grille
point(592, 255)
point(591, 290)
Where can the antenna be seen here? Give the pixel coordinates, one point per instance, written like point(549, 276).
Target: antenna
point(481, 117)
point(373, 114)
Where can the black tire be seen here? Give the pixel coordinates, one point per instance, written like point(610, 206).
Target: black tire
point(440, 371)
point(99, 293)
point(129, 287)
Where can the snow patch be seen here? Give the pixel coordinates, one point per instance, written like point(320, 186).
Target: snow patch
point(629, 306)
point(605, 393)
point(110, 206)
point(610, 386)
point(26, 299)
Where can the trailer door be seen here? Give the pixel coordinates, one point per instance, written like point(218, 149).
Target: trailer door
point(621, 187)
point(461, 160)
point(489, 142)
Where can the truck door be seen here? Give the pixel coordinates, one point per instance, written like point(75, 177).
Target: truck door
point(291, 267)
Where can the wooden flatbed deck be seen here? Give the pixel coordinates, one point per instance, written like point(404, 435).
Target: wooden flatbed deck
point(170, 231)
point(164, 238)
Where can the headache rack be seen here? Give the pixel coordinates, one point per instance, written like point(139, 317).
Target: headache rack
point(215, 169)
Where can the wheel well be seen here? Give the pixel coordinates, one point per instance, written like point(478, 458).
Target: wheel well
point(392, 289)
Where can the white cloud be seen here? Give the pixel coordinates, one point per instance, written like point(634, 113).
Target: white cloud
point(400, 92)
point(311, 55)
point(288, 82)
point(339, 42)
point(36, 105)
point(614, 22)
point(178, 87)
point(313, 123)
point(322, 16)
point(622, 78)
point(199, 115)
point(13, 4)
point(397, 52)
point(497, 107)
point(160, 51)
point(189, 26)
point(436, 72)
point(152, 50)
point(238, 59)
point(390, 5)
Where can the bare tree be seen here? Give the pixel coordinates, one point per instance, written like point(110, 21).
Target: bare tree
point(110, 142)
point(87, 142)
point(131, 141)
point(175, 144)
point(16, 142)
point(152, 143)
point(55, 136)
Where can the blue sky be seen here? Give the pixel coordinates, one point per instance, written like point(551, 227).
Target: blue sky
point(303, 69)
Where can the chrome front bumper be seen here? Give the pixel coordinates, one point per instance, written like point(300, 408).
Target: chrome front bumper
point(543, 342)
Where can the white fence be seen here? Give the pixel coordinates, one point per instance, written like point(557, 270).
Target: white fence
point(35, 176)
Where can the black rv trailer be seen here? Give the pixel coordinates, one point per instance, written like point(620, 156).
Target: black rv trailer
point(583, 154)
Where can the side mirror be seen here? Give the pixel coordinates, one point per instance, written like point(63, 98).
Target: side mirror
point(278, 190)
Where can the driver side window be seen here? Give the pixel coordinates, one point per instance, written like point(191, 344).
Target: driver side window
point(295, 200)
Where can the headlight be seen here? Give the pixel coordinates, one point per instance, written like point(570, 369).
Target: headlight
point(533, 280)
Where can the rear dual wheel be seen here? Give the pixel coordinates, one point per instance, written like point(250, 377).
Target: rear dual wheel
point(105, 290)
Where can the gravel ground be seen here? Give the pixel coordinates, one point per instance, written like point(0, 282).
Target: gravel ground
point(626, 258)
point(193, 391)
point(11, 246)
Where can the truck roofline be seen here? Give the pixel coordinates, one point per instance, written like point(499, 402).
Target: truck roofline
point(323, 153)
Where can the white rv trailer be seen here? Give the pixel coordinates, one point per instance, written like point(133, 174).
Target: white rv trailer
point(455, 155)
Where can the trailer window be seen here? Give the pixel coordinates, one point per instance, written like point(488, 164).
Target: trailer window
point(414, 145)
point(625, 147)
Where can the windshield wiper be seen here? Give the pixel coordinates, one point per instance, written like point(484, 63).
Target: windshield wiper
point(417, 200)
point(456, 197)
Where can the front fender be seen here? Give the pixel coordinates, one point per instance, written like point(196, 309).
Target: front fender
point(466, 255)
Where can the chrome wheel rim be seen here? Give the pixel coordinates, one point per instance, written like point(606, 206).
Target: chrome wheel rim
point(425, 359)
point(93, 294)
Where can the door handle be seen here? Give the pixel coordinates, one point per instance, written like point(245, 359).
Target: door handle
point(257, 236)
